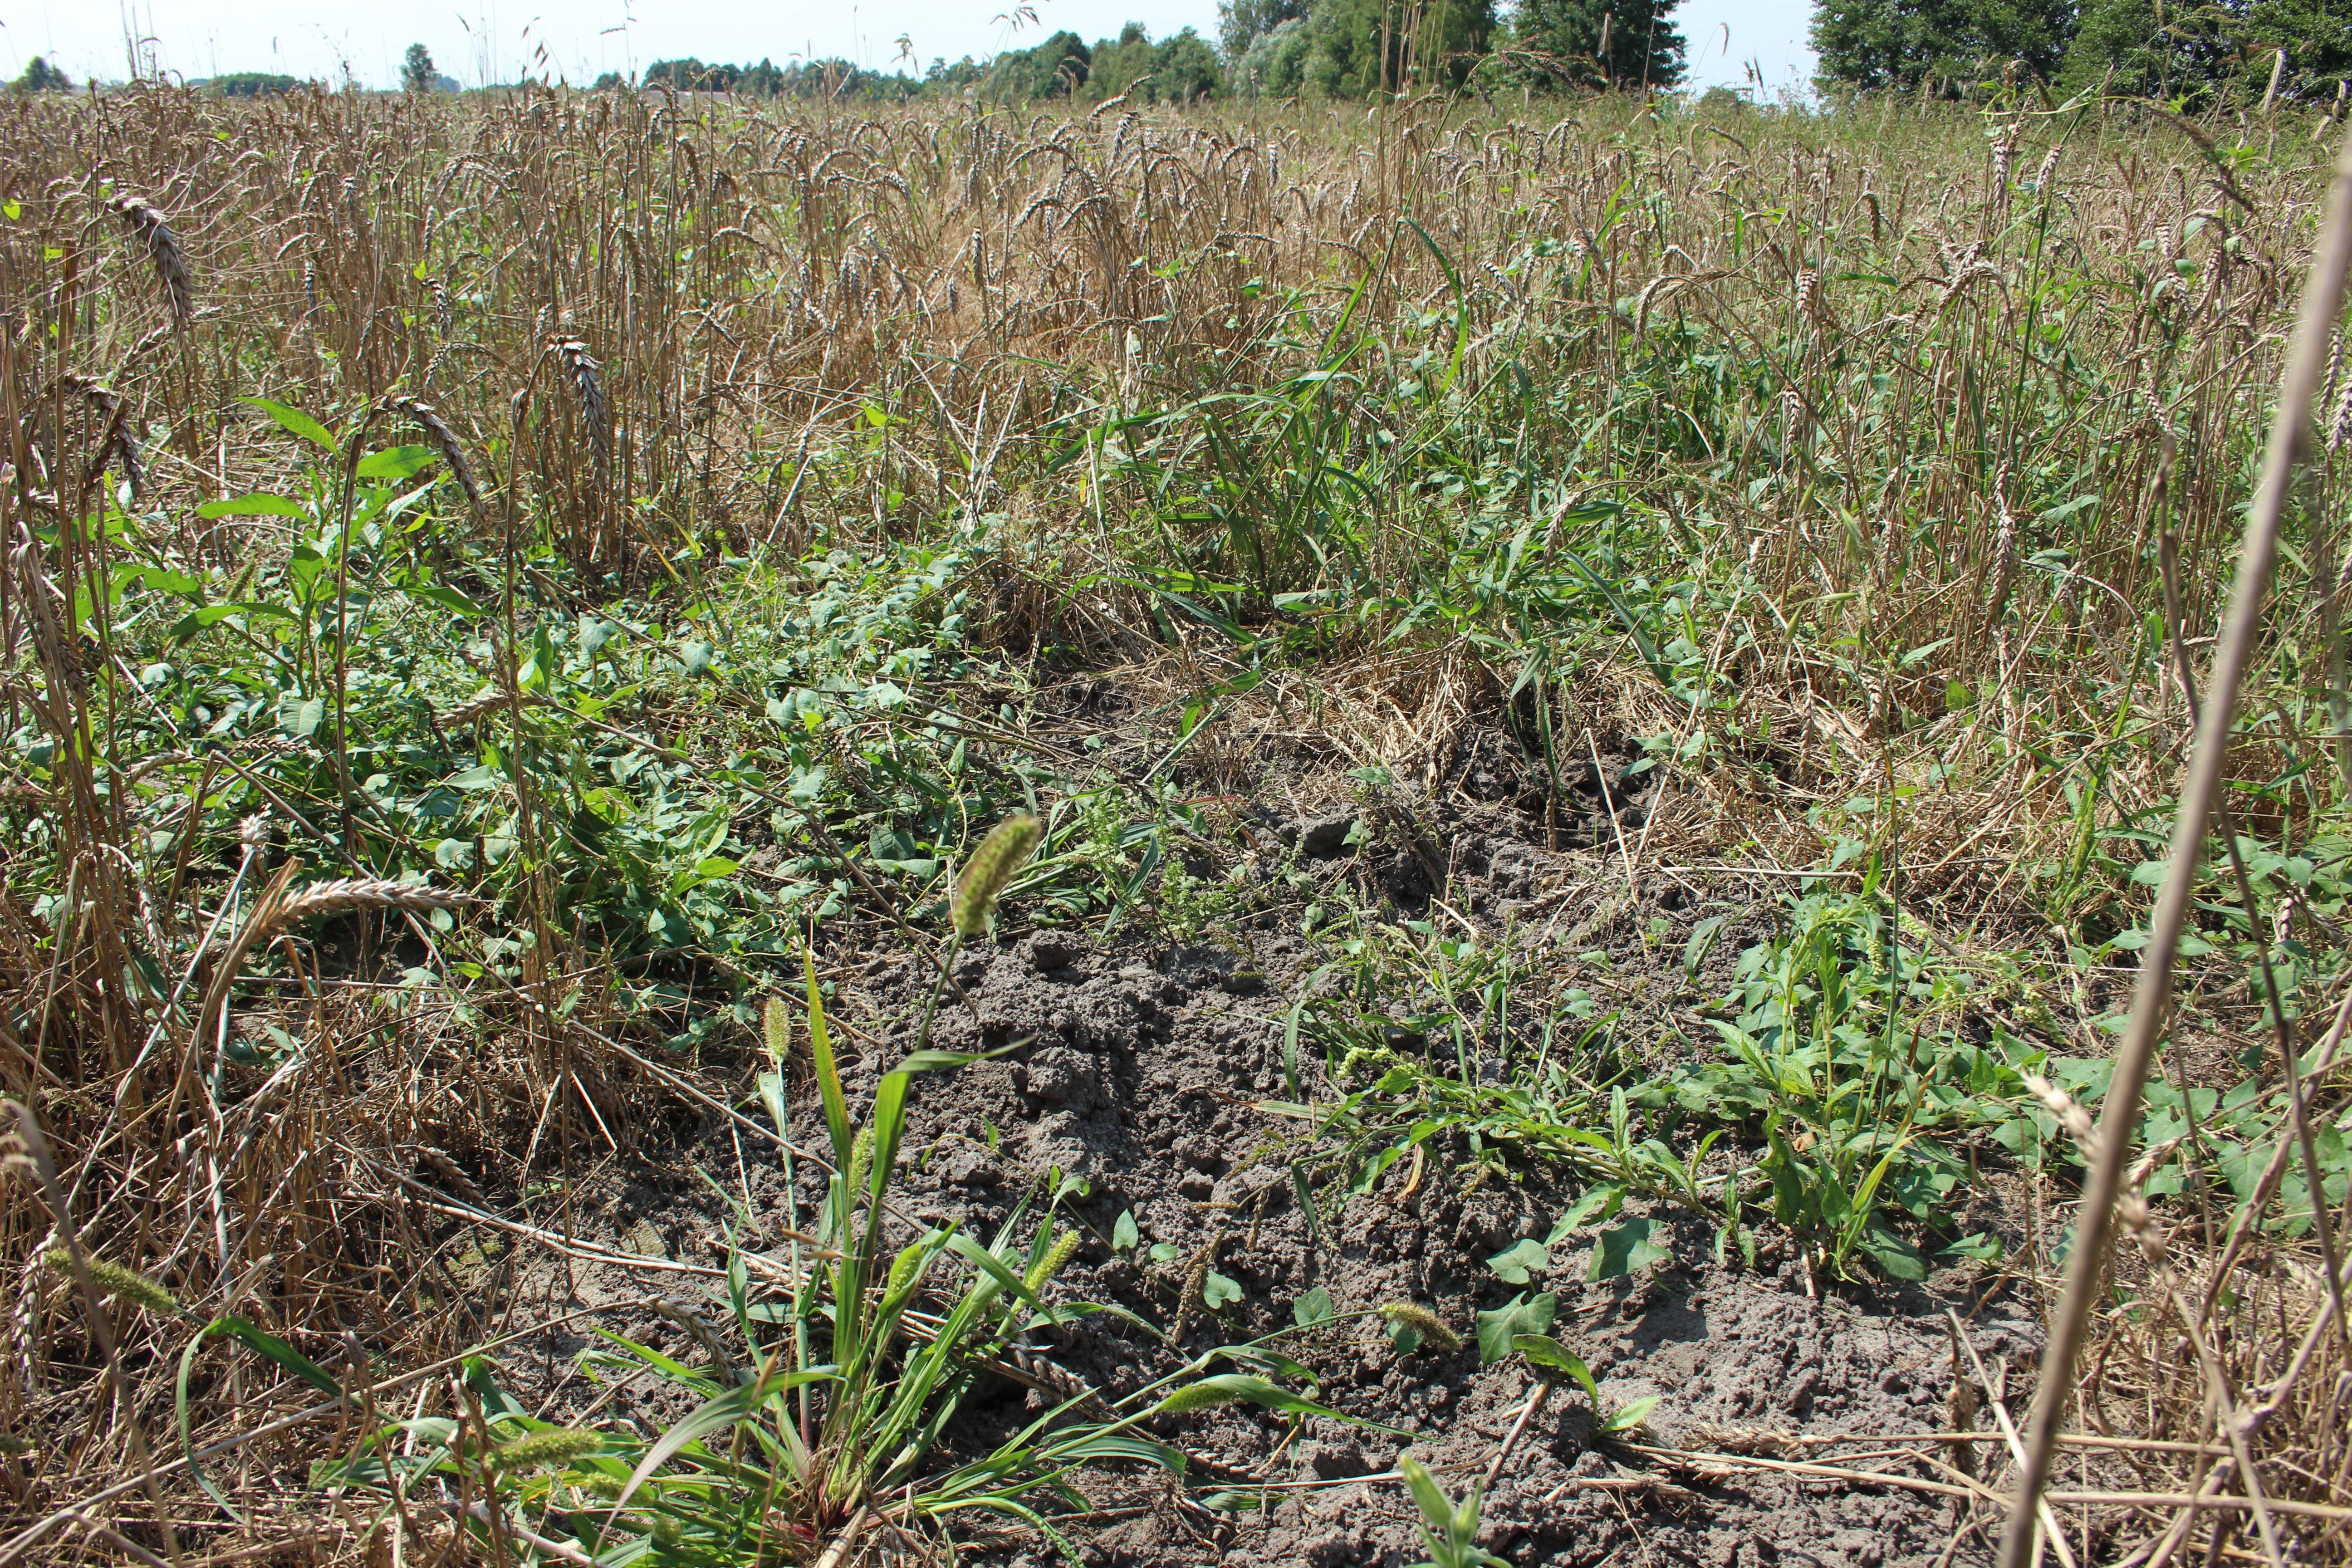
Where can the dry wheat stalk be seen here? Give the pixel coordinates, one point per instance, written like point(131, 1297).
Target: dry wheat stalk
point(1809, 294)
point(452, 452)
point(587, 377)
point(118, 442)
point(164, 250)
point(361, 893)
point(2045, 177)
point(1196, 1282)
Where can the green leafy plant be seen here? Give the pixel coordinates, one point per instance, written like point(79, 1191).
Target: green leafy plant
point(856, 1357)
point(1858, 1083)
point(1549, 1357)
point(1449, 1530)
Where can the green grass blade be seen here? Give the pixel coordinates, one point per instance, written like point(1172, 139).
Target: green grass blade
point(828, 1076)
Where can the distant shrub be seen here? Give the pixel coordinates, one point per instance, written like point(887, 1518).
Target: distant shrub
point(253, 84)
point(40, 75)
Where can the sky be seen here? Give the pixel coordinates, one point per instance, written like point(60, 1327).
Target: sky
point(496, 40)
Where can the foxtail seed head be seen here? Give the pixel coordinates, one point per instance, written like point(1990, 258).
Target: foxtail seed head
point(118, 1280)
point(991, 868)
point(557, 1447)
point(1199, 1396)
point(861, 1160)
point(1422, 1321)
point(1051, 1264)
point(776, 1029)
point(902, 1270)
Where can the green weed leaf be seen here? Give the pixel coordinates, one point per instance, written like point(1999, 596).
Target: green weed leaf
point(1515, 1317)
point(1630, 1416)
point(397, 462)
point(295, 422)
point(260, 504)
point(1543, 1351)
point(1517, 1264)
point(1625, 1248)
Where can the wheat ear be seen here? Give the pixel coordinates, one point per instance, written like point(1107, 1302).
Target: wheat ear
point(163, 249)
point(428, 418)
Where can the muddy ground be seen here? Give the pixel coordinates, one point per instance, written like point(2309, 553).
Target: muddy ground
point(1139, 1065)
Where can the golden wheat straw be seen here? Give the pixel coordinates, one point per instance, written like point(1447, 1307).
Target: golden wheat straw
point(163, 251)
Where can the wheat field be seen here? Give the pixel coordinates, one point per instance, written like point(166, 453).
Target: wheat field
point(1876, 472)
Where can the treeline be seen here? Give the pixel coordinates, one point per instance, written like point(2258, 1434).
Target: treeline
point(1176, 70)
point(2194, 52)
point(251, 84)
point(2198, 53)
point(1356, 48)
point(1281, 48)
point(812, 78)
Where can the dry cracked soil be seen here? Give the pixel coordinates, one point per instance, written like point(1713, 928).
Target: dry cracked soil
point(1143, 1067)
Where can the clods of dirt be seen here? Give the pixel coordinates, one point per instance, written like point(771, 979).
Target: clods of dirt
point(1143, 1072)
point(1140, 1077)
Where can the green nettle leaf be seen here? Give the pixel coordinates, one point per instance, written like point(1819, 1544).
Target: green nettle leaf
point(1125, 1234)
point(165, 581)
point(1600, 1203)
point(1898, 1256)
point(257, 505)
point(696, 656)
point(1315, 1307)
point(295, 422)
point(1516, 1263)
point(1630, 1416)
point(1625, 1248)
point(1217, 1291)
point(715, 869)
point(189, 625)
point(1543, 1351)
point(397, 462)
point(1515, 1317)
point(448, 599)
point(302, 719)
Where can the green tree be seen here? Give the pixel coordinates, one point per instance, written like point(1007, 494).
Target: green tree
point(1055, 68)
point(2213, 51)
point(416, 72)
point(1274, 65)
point(1356, 48)
point(1115, 63)
point(964, 73)
point(1185, 68)
point(1174, 70)
point(1242, 23)
point(40, 75)
point(690, 75)
point(2316, 36)
point(251, 84)
point(1914, 43)
point(2146, 48)
point(1644, 49)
